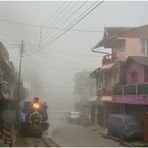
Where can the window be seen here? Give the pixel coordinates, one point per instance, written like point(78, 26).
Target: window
point(144, 46)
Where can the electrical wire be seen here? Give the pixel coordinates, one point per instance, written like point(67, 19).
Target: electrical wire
point(65, 20)
point(71, 26)
point(51, 28)
point(74, 54)
point(56, 13)
point(69, 61)
point(81, 14)
point(53, 12)
point(61, 16)
point(56, 20)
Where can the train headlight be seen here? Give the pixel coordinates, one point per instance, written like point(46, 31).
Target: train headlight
point(36, 105)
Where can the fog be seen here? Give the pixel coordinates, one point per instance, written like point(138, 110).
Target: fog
point(49, 71)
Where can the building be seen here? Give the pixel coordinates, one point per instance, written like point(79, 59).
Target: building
point(124, 42)
point(133, 91)
point(8, 87)
point(86, 96)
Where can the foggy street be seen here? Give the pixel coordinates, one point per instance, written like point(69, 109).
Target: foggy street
point(73, 73)
point(72, 135)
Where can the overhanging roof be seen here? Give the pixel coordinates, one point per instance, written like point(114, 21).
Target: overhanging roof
point(111, 33)
point(143, 60)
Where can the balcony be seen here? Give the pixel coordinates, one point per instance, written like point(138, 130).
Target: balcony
point(107, 59)
point(105, 90)
point(131, 94)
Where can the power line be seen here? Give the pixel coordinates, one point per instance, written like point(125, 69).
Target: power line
point(34, 25)
point(76, 30)
point(54, 13)
point(51, 20)
point(57, 12)
point(48, 27)
point(62, 14)
point(55, 21)
point(63, 22)
point(74, 54)
point(19, 23)
point(56, 57)
point(72, 25)
point(69, 18)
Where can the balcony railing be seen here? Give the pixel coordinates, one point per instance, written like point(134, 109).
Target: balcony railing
point(131, 89)
point(105, 91)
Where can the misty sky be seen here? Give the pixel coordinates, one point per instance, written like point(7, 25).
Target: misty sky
point(49, 68)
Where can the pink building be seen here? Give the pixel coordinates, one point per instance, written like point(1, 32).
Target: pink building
point(134, 89)
point(123, 76)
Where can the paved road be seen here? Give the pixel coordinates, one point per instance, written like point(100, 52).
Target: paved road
point(68, 135)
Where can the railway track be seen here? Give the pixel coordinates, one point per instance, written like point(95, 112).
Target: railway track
point(40, 142)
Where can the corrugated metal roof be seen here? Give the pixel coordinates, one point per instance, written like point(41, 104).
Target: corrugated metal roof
point(114, 31)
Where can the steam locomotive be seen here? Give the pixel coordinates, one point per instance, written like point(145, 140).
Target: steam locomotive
point(34, 118)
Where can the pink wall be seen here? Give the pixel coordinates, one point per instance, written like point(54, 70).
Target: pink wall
point(135, 67)
point(132, 48)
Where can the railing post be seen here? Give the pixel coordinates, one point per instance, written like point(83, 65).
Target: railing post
point(123, 90)
point(136, 89)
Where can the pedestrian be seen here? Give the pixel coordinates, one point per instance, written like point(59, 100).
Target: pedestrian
point(23, 121)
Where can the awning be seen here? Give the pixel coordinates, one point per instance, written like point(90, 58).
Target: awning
point(107, 67)
point(106, 98)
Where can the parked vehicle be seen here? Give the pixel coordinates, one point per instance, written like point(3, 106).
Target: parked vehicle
point(125, 126)
point(74, 117)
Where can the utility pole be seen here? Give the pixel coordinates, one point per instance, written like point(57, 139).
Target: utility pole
point(20, 66)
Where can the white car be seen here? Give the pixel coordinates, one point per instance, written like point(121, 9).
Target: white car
point(74, 117)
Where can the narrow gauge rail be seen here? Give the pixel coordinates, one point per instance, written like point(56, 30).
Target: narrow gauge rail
point(39, 142)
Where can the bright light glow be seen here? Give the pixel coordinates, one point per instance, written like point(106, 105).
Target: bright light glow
point(36, 105)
